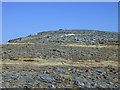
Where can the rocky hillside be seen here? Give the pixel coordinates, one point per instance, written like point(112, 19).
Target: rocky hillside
point(61, 59)
point(66, 36)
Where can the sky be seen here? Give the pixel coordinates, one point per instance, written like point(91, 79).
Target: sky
point(20, 19)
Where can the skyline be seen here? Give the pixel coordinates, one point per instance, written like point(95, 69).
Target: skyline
point(23, 19)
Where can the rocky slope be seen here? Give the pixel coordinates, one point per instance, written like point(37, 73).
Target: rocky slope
point(66, 36)
point(60, 77)
point(61, 59)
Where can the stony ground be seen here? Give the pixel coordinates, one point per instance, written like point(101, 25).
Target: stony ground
point(43, 66)
point(61, 59)
point(60, 77)
point(46, 51)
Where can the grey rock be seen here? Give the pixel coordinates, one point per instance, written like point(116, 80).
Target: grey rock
point(94, 84)
point(27, 86)
point(57, 77)
point(45, 81)
point(101, 86)
point(81, 79)
point(51, 86)
point(88, 86)
point(79, 83)
point(107, 81)
point(68, 87)
point(100, 70)
point(110, 65)
point(47, 78)
point(59, 69)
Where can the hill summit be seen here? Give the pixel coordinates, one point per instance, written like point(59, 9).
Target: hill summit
point(66, 36)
